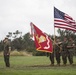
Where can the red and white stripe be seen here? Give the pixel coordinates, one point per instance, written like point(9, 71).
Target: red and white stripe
point(66, 23)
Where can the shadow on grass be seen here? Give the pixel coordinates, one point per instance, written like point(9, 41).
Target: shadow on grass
point(34, 67)
point(52, 65)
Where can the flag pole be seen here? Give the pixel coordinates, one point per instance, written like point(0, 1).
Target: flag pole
point(54, 32)
point(54, 35)
point(54, 41)
point(54, 28)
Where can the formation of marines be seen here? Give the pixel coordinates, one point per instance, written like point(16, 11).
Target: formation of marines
point(63, 48)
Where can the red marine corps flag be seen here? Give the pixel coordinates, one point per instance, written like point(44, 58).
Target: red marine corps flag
point(42, 41)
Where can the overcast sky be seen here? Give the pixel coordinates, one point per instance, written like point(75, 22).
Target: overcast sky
point(17, 14)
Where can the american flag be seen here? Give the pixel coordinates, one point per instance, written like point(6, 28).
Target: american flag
point(63, 20)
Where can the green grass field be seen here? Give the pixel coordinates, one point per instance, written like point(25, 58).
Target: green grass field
point(35, 65)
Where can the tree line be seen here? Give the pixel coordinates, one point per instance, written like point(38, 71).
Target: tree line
point(26, 43)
